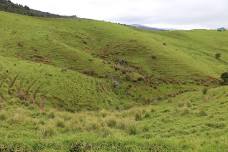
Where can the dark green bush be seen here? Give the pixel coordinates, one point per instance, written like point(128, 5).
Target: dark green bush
point(2, 117)
point(132, 130)
point(216, 125)
point(218, 56)
point(60, 124)
point(80, 147)
point(224, 77)
point(111, 123)
point(204, 91)
point(138, 116)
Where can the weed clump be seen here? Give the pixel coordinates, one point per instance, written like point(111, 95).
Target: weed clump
point(112, 123)
point(60, 124)
point(122, 125)
point(41, 122)
point(2, 117)
point(224, 77)
point(218, 56)
point(202, 113)
point(132, 130)
point(138, 116)
point(152, 110)
point(146, 128)
point(47, 131)
point(216, 125)
point(147, 115)
point(204, 91)
point(80, 147)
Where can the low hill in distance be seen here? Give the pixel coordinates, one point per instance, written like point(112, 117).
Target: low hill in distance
point(149, 28)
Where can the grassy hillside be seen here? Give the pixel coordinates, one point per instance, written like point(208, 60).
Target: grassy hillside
point(140, 65)
point(94, 84)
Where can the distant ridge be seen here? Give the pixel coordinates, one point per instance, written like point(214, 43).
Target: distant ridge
point(8, 6)
point(148, 28)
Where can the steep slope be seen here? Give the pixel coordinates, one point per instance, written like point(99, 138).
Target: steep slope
point(68, 90)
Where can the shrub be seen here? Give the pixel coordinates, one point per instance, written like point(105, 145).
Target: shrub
point(89, 72)
point(94, 126)
point(152, 110)
point(224, 77)
point(2, 117)
point(42, 122)
point(60, 124)
point(111, 123)
point(204, 91)
point(216, 125)
point(138, 116)
point(147, 115)
point(122, 125)
point(132, 130)
point(103, 114)
point(222, 29)
point(80, 147)
point(218, 56)
point(153, 57)
point(146, 128)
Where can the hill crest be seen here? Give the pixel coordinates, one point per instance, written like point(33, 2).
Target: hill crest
point(8, 6)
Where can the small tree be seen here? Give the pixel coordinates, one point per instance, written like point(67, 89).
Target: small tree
point(224, 77)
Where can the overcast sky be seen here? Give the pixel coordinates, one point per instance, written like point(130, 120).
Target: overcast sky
point(182, 14)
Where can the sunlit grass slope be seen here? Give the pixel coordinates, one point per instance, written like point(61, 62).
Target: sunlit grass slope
point(81, 44)
point(190, 122)
point(134, 65)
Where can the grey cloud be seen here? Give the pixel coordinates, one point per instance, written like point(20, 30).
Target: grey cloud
point(210, 14)
point(175, 13)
